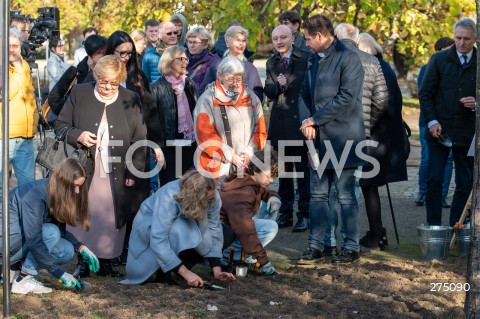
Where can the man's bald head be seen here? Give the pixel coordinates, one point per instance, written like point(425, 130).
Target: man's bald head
point(282, 39)
point(282, 28)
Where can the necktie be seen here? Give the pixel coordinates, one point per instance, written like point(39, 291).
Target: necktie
point(464, 59)
point(285, 62)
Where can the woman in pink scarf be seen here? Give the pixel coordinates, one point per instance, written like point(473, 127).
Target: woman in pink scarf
point(168, 115)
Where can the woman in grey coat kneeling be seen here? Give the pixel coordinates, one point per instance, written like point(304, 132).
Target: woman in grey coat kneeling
point(176, 228)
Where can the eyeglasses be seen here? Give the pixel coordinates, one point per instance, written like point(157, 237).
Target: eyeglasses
point(171, 32)
point(182, 59)
point(60, 46)
point(105, 83)
point(232, 80)
point(194, 42)
point(14, 46)
point(27, 31)
point(124, 54)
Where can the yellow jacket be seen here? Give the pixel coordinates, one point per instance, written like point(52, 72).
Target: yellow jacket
point(23, 114)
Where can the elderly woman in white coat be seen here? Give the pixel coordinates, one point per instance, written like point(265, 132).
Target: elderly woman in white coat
point(175, 229)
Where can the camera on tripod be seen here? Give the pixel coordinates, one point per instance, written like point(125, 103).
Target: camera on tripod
point(45, 27)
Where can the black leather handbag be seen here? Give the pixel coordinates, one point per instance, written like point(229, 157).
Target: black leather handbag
point(54, 150)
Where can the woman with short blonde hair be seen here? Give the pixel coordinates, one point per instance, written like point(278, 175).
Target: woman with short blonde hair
point(98, 114)
point(170, 107)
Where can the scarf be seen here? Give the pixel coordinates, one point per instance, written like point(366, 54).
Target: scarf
point(185, 121)
point(195, 58)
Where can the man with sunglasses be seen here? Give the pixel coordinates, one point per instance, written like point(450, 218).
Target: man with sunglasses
point(168, 38)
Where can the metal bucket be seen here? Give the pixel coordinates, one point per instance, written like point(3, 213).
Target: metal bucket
point(434, 241)
point(463, 240)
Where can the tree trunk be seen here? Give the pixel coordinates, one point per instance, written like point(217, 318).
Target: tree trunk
point(472, 300)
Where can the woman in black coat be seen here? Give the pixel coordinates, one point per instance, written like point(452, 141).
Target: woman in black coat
point(106, 118)
point(390, 152)
point(122, 45)
point(168, 114)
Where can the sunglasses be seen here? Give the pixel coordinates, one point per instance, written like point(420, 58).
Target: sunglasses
point(124, 54)
point(171, 32)
point(182, 59)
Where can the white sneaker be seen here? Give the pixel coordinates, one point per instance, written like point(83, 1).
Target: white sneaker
point(29, 284)
point(250, 260)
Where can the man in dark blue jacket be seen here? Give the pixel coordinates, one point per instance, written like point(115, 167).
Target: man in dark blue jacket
point(331, 109)
point(447, 99)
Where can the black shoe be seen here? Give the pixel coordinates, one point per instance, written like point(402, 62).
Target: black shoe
point(301, 225)
point(311, 256)
point(284, 221)
point(420, 200)
point(82, 269)
point(164, 278)
point(107, 269)
point(445, 204)
point(346, 256)
point(370, 240)
point(330, 250)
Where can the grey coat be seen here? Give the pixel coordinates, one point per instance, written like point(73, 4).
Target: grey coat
point(375, 92)
point(160, 232)
point(332, 95)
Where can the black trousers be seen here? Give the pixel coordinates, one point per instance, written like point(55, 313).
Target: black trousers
point(286, 187)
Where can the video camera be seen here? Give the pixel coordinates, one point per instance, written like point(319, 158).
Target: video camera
point(45, 27)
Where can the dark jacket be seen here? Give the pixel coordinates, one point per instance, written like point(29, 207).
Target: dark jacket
point(220, 47)
point(241, 199)
point(389, 132)
point(375, 92)
point(83, 69)
point(29, 210)
point(202, 65)
point(251, 79)
point(332, 95)
point(284, 117)
point(300, 43)
point(83, 112)
point(446, 81)
point(161, 114)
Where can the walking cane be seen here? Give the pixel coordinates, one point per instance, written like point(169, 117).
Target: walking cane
point(393, 215)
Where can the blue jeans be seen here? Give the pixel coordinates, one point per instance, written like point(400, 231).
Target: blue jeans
point(321, 188)
point(266, 227)
point(423, 168)
point(22, 158)
point(61, 249)
point(463, 181)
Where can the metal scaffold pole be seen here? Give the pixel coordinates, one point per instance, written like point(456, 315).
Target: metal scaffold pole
point(4, 10)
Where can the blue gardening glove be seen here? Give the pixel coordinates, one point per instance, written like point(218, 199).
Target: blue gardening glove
point(69, 281)
point(90, 258)
point(267, 269)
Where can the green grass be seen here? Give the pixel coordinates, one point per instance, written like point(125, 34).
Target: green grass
point(99, 315)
